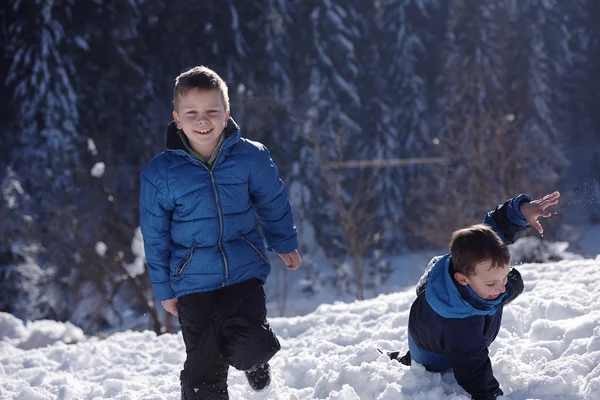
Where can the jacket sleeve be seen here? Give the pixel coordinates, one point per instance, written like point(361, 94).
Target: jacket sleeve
point(422, 284)
point(155, 223)
point(268, 194)
point(507, 220)
point(466, 348)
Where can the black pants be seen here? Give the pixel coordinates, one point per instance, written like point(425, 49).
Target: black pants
point(222, 328)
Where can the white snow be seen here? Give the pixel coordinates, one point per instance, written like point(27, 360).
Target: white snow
point(533, 249)
point(98, 169)
point(101, 248)
point(138, 266)
point(12, 191)
point(548, 348)
point(92, 146)
point(35, 334)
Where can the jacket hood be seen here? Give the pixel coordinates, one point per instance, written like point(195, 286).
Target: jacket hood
point(451, 300)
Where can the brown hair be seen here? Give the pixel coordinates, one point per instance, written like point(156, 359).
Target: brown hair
point(475, 244)
point(200, 78)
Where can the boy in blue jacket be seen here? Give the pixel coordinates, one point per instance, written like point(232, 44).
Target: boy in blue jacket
point(207, 262)
point(458, 310)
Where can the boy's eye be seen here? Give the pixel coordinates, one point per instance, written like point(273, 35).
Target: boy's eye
point(491, 284)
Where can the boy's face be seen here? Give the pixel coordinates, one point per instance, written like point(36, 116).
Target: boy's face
point(487, 282)
point(202, 117)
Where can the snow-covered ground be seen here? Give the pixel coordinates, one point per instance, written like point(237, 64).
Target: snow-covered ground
point(548, 348)
point(405, 272)
point(406, 269)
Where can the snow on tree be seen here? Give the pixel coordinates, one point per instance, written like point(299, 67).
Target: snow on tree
point(500, 136)
point(343, 203)
point(495, 88)
point(401, 101)
point(45, 148)
point(588, 90)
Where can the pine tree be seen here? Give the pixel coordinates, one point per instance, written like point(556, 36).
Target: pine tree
point(45, 151)
point(470, 82)
point(591, 45)
point(500, 136)
point(588, 88)
point(403, 101)
point(110, 52)
point(70, 64)
point(343, 203)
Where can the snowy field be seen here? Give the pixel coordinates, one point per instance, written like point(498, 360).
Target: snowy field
point(548, 348)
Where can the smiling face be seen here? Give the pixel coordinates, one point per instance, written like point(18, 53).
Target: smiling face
point(202, 116)
point(488, 281)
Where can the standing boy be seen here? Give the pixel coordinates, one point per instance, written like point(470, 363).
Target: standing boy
point(460, 298)
point(198, 205)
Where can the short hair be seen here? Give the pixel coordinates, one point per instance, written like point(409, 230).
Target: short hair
point(200, 78)
point(475, 244)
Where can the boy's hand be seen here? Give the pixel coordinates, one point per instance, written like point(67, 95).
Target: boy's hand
point(537, 208)
point(170, 305)
point(292, 260)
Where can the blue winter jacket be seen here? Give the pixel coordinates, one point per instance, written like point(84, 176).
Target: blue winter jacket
point(199, 223)
point(450, 326)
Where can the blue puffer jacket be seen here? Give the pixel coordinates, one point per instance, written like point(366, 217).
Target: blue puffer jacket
point(450, 326)
point(199, 224)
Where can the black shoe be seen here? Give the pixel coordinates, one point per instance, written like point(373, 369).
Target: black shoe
point(395, 355)
point(405, 359)
point(260, 377)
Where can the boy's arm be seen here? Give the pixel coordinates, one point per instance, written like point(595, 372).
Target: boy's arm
point(155, 224)
point(519, 213)
point(468, 354)
point(268, 194)
point(422, 284)
point(507, 220)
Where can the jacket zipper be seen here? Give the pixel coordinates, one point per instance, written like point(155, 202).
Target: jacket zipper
point(214, 185)
point(212, 178)
point(179, 269)
point(255, 249)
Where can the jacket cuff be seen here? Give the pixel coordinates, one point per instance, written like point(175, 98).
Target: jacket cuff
point(286, 246)
point(163, 291)
point(513, 213)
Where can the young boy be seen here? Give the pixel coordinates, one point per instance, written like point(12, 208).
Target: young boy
point(458, 310)
point(206, 256)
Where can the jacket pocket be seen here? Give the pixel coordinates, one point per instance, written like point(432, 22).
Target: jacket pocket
point(260, 253)
point(181, 266)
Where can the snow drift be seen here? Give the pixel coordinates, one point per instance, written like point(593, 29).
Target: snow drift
point(548, 348)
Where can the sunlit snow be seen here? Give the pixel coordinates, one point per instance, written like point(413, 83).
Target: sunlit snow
point(548, 348)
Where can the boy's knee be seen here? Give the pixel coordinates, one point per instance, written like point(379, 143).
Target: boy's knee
point(251, 350)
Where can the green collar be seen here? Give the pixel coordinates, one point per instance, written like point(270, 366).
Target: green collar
point(200, 157)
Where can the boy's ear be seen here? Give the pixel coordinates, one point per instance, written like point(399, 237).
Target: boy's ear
point(176, 119)
point(461, 278)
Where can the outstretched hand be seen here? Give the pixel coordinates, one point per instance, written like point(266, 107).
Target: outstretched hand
point(537, 208)
point(292, 260)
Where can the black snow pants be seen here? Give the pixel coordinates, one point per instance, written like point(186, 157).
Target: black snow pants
point(224, 327)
